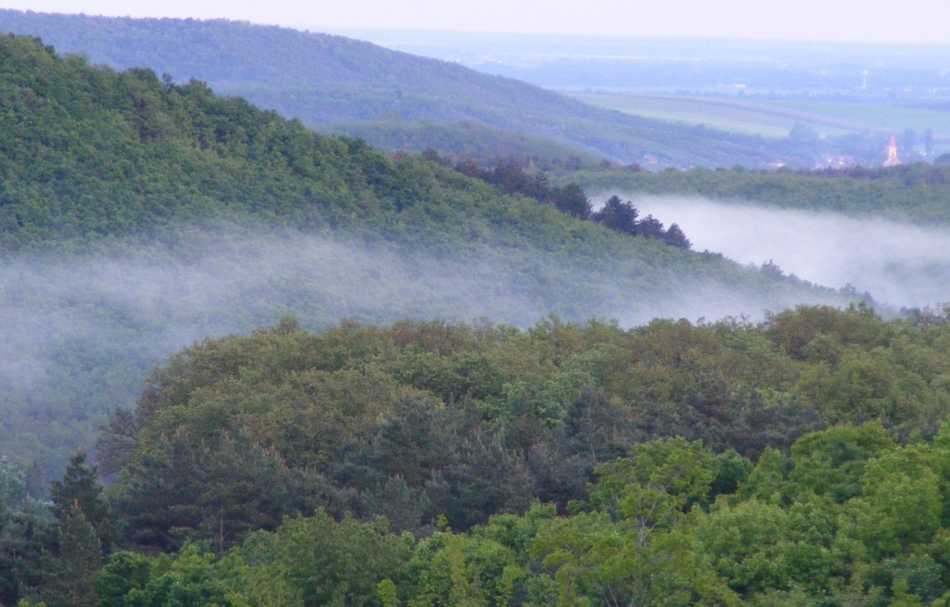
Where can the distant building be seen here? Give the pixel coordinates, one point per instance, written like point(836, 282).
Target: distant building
point(893, 160)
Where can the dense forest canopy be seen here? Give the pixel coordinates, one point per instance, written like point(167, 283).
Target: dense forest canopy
point(798, 461)
point(331, 82)
point(139, 216)
point(91, 153)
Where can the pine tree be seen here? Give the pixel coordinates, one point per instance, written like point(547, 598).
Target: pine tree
point(676, 237)
point(571, 200)
point(80, 489)
point(77, 563)
point(651, 227)
point(618, 215)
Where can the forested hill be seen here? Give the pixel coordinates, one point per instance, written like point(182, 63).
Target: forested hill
point(138, 216)
point(332, 82)
point(798, 462)
point(89, 153)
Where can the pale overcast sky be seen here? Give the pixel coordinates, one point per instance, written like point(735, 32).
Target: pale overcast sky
point(867, 20)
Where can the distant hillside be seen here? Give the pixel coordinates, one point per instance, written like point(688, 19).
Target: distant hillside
point(138, 216)
point(469, 141)
point(329, 80)
point(918, 193)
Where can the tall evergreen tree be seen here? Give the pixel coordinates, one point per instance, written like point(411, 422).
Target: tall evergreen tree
point(77, 563)
point(80, 489)
point(676, 237)
point(571, 200)
point(651, 227)
point(618, 215)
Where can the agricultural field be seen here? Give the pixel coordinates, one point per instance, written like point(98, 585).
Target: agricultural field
point(774, 117)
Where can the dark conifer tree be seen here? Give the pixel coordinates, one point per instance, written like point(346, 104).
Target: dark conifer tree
point(80, 489)
point(651, 227)
point(77, 564)
point(677, 238)
point(571, 200)
point(618, 215)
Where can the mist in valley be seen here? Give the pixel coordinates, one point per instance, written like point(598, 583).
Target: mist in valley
point(67, 318)
point(899, 264)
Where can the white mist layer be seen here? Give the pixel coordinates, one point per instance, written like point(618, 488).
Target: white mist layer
point(899, 264)
point(115, 315)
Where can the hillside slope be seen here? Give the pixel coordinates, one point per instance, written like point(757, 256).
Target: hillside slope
point(137, 217)
point(335, 82)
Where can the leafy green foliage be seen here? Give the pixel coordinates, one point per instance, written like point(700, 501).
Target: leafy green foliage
point(73, 572)
point(885, 545)
point(430, 464)
point(619, 216)
point(77, 498)
point(421, 420)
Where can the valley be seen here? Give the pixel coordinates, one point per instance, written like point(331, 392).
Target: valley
point(428, 318)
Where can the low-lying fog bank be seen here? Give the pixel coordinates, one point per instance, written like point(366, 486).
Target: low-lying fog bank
point(899, 264)
point(81, 332)
point(153, 302)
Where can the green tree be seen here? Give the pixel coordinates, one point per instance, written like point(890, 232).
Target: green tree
point(832, 462)
point(79, 489)
point(901, 504)
point(594, 561)
point(659, 479)
point(77, 563)
point(193, 578)
point(319, 561)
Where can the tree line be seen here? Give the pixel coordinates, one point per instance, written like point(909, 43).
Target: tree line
point(618, 215)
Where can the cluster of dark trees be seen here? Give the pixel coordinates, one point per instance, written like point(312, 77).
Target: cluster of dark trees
point(622, 216)
point(800, 461)
point(616, 214)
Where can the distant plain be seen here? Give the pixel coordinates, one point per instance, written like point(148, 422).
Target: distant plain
point(775, 116)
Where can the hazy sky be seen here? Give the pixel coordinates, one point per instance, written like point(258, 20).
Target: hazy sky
point(868, 20)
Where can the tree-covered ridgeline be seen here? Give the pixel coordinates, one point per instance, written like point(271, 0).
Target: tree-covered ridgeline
point(396, 100)
point(799, 461)
point(89, 153)
point(918, 193)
